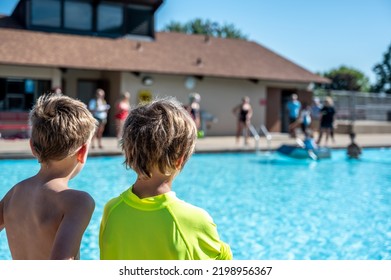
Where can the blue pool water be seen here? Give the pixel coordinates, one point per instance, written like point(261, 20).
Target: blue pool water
point(266, 206)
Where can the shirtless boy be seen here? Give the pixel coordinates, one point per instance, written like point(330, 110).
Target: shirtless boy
point(43, 218)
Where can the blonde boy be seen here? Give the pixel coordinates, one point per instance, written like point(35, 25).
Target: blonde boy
point(147, 221)
point(43, 218)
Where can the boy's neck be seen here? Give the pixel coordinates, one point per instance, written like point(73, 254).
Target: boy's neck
point(61, 171)
point(157, 185)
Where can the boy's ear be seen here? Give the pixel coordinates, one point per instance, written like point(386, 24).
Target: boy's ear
point(32, 148)
point(179, 163)
point(82, 154)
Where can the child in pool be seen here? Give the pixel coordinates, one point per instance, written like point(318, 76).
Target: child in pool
point(148, 221)
point(353, 150)
point(43, 218)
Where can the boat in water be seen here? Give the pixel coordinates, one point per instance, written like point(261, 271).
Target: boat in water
point(298, 152)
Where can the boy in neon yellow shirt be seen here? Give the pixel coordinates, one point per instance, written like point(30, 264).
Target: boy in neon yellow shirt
point(148, 221)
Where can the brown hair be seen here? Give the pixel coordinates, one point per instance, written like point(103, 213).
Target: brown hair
point(158, 134)
point(60, 125)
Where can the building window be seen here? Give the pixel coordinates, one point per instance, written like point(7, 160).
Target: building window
point(20, 94)
point(92, 17)
point(110, 18)
point(46, 13)
point(78, 15)
point(140, 20)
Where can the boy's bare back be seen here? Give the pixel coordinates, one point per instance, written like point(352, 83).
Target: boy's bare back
point(42, 219)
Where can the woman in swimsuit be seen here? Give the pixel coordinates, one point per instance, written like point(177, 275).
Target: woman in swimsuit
point(327, 120)
point(194, 109)
point(244, 113)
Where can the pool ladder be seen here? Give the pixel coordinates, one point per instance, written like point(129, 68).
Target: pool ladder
point(267, 135)
point(256, 136)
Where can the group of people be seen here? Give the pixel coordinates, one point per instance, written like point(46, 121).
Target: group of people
point(45, 219)
point(307, 117)
point(99, 108)
point(318, 117)
point(310, 117)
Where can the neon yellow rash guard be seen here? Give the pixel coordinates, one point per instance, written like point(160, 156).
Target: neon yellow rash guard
point(162, 227)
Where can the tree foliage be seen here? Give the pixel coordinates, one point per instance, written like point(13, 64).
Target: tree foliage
point(206, 27)
point(383, 74)
point(347, 78)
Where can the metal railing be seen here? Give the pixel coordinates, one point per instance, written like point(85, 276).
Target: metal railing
point(353, 106)
point(268, 136)
point(255, 134)
point(263, 131)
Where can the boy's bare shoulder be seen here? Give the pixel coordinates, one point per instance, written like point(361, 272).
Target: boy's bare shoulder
point(9, 194)
point(77, 200)
point(63, 197)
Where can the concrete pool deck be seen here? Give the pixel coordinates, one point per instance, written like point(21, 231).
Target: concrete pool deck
point(19, 148)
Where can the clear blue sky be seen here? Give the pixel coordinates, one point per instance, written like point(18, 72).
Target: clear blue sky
point(318, 35)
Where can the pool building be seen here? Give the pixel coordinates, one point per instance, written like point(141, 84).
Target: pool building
point(80, 45)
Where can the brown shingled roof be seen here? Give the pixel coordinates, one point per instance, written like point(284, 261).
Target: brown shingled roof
point(169, 53)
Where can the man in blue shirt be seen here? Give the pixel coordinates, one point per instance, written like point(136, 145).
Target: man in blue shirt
point(293, 107)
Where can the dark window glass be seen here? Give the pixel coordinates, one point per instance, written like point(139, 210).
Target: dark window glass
point(78, 15)
point(20, 94)
point(15, 86)
point(110, 18)
point(3, 87)
point(140, 20)
point(46, 13)
point(15, 95)
point(42, 87)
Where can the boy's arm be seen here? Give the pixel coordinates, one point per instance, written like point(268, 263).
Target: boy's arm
point(78, 209)
point(1, 214)
point(210, 243)
point(3, 201)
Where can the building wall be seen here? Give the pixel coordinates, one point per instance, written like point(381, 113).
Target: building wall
point(218, 95)
point(71, 78)
point(31, 72)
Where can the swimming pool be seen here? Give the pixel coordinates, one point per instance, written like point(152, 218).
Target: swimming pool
point(266, 206)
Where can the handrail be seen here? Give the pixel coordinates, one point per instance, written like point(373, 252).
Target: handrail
point(256, 137)
point(267, 135)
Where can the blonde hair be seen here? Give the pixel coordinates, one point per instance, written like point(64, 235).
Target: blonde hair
point(194, 97)
point(158, 134)
point(60, 125)
point(329, 100)
point(125, 94)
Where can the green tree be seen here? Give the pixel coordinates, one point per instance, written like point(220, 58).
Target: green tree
point(383, 74)
point(347, 78)
point(206, 27)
